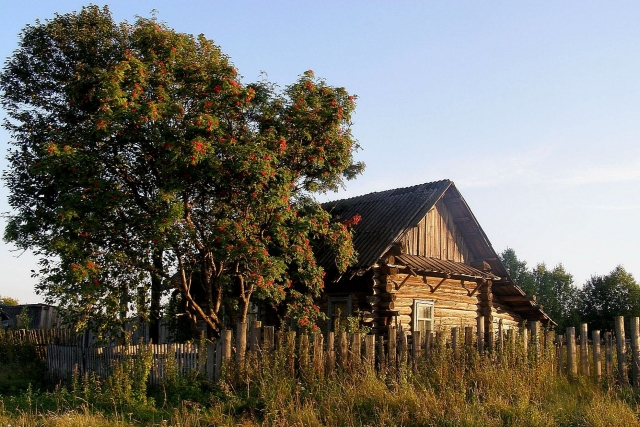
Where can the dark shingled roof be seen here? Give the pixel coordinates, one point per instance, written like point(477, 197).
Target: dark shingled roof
point(385, 216)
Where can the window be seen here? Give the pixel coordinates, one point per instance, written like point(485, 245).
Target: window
point(338, 307)
point(422, 315)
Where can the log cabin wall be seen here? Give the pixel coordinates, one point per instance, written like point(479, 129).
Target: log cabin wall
point(453, 306)
point(500, 311)
point(438, 236)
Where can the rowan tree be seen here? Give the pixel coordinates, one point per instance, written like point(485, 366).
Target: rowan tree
point(141, 158)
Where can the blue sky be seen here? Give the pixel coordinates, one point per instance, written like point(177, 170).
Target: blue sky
point(531, 108)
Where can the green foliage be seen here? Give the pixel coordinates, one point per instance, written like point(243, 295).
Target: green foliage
point(554, 289)
point(23, 320)
point(138, 152)
point(8, 301)
point(20, 366)
point(518, 271)
point(605, 297)
point(558, 295)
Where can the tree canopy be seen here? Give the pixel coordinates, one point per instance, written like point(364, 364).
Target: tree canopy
point(140, 158)
point(608, 296)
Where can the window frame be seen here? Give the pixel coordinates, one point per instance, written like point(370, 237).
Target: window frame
point(414, 315)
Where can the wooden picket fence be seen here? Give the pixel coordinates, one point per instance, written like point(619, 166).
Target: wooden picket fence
point(572, 356)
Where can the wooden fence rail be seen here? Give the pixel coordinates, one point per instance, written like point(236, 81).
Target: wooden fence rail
point(325, 354)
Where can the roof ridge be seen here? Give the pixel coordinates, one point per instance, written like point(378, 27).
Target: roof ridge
point(390, 189)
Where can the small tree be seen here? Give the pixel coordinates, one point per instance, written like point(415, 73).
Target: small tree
point(8, 301)
point(140, 158)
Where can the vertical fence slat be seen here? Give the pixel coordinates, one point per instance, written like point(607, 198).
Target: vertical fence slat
point(621, 349)
point(635, 361)
point(584, 350)
point(597, 358)
point(572, 363)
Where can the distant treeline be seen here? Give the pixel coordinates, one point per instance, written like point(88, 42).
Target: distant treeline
point(600, 299)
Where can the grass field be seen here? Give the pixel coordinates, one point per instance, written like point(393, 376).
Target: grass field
point(446, 391)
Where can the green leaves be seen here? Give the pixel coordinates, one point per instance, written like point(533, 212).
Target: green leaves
point(132, 139)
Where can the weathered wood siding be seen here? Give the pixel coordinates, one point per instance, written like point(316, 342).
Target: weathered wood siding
point(501, 311)
point(438, 236)
point(453, 307)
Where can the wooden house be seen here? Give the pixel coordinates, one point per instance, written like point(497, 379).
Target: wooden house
point(423, 263)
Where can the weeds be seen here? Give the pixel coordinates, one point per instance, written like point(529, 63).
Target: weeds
point(447, 389)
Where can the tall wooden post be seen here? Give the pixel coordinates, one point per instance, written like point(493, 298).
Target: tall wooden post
point(416, 346)
point(623, 375)
point(268, 344)
point(303, 352)
point(608, 355)
point(455, 332)
point(572, 363)
point(393, 339)
point(584, 350)
point(500, 337)
point(380, 351)
point(635, 331)
point(331, 353)
point(318, 353)
point(468, 336)
point(560, 353)
point(480, 335)
point(241, 343)
point(535, 338)
point(597, 358)
point(525, 339)
point(254, 336)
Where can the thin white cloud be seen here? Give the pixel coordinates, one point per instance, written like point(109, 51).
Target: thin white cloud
point(604, 175)
point(615, 207)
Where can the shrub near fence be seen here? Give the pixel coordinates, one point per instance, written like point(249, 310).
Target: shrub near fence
point(324, 355)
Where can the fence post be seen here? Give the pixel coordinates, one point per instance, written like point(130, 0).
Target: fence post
point(241, 343)
point(480, 330)
point(356, 349)
point(369, 349)
point(635, 330)
point(290, 351)
point(500, 337)
point(623, 375)
point(428, 343)
point(455, 332)
point(584, 350)
point(572, 363)
point(380, 353)
point(525, 339)
point(318, 355)
point(343, 349)
point(468, 337)
point(535, 338)
point(254, 336)
point(416, 346)
point(403, 348)
point(392, 347)
point(560, 353)
point(331, 353)
point(597, 357)
point(608, 355)
point(303, 352)
point(268, 339)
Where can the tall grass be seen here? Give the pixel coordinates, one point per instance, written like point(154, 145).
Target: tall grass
point(446, 390)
